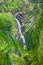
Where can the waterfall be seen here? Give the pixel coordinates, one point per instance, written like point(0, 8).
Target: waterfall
point(20, 31)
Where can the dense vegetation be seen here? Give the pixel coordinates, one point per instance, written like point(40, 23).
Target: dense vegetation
point(11, 48)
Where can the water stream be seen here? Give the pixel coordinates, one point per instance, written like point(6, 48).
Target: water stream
point(20, 31)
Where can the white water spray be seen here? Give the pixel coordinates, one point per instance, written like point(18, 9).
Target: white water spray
point(19, 28)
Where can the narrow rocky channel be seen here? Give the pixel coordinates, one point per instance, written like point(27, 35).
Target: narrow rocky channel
point(20, 30)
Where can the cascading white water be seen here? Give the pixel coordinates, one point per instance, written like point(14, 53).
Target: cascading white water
point(19, 28)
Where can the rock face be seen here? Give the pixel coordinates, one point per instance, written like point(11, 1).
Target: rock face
point(20, 17)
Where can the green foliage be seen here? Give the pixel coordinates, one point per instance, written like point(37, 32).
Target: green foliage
point(10, 5)
point(4, 59)
point(36, 1)
point(34, 40)
point(7, 42)
point(5, 21)
point(11, 49)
